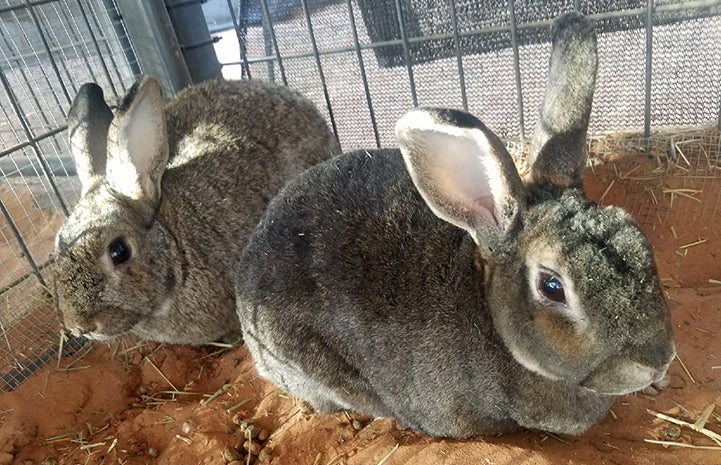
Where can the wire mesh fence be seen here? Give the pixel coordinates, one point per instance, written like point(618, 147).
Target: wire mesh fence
point(47, 50)
point(366, 62)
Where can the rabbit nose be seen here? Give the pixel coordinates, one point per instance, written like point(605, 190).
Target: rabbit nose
point(78, 326)
point(660, 375)
point(652, 374)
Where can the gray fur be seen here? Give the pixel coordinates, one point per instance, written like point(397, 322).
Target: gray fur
point(184, 186)
point(363, 290)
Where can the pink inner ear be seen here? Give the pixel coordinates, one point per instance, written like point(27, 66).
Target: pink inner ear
point(460, 172)
point(486, 208)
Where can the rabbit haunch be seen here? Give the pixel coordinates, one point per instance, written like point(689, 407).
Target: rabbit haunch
point(169, 197)
point(435, 285)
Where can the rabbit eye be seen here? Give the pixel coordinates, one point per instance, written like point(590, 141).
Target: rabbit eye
point(119, 251)
point(551, 288)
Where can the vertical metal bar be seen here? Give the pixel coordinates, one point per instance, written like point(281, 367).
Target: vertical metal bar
point(31, 10)
point(42, 68)
point(359, 55)
point(320, 67)
point(21, 243)
point(72, 35)
point(240, 35)
point(718, 136)
point(517, 66)
point(28, 134)
point(406, 52)
point(649, 54)
point(97, 48)
point(30, 88)
point(577, 5)
point(271, 31)
point(459, 56)
point(113, 15)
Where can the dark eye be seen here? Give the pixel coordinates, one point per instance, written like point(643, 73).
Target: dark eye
point(551, 288)
point(119, 251)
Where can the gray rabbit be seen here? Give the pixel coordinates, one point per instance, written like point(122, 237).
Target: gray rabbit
point(434, 285)
point(169, 197)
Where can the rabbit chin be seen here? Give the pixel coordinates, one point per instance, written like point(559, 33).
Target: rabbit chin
point(622, 378)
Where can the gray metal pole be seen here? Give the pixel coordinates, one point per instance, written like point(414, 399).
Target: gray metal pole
point(194, 38)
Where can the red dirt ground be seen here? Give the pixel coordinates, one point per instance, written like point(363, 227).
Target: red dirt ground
point(112, 406)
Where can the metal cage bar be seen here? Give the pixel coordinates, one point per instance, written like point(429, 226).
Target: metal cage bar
point(649, 61)
point(364, 77)
point(44, 40)
point(33, 142)
point(240, 34)
point(274, 40)
point(698, 7)
point(406, 52)
point(21, 243)
point(459, 55)
point(517, 66)
point(318, 65)
point(97, 48)
point(77, 39)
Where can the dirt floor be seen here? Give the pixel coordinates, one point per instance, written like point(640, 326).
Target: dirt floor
point(142, 403)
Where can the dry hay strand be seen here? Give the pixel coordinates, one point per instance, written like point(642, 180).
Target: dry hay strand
point(699, 426)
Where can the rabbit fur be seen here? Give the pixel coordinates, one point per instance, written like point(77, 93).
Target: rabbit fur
point(434, 285)
point(169, 197)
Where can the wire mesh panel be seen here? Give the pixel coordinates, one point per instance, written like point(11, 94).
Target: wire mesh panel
point(47, 50)
point(487, 56)
point(658, 67)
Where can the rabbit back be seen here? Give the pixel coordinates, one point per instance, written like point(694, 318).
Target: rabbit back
point(382, 308)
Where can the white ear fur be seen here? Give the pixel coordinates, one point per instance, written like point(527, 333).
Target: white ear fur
point(462, 172)
point(139, 152)
point(88, 121)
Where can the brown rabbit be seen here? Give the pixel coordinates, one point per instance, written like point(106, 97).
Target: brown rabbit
point(169, 197)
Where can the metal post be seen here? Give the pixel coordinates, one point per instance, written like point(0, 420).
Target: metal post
point(155, 43)
point(195, 41)
point(517, 67)
point(320, 68)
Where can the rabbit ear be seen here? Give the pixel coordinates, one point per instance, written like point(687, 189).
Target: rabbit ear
point(462, 171)
point(88, 121)
point(138, 142)
point(558, 153)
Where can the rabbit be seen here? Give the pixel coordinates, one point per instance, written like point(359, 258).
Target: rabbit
point(435, 285)
point(169, 197)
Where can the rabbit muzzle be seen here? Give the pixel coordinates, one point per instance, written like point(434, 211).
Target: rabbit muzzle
point(619, 375)
point(92, 326)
